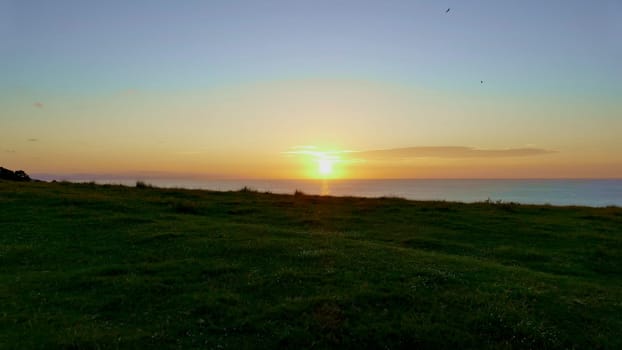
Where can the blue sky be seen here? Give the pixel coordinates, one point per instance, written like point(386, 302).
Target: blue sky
point(521, 46)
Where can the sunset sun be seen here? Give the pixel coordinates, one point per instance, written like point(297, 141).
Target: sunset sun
point(325, 167)
point(320, 163)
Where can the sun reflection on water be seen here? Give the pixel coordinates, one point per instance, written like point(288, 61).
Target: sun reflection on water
point(324, 188)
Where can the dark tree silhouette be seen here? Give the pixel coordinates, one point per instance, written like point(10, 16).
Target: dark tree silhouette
point(19, 175)
point(22, 175)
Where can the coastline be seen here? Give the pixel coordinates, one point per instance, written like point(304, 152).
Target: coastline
point(580, 192)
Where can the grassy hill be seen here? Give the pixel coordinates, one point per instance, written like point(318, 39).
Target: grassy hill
point(89, 266)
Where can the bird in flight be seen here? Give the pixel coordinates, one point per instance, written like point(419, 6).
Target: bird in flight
point(448, 10)
point(481, 81)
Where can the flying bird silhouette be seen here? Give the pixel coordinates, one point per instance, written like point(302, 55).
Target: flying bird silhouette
point(448, 10)
point(481, 81)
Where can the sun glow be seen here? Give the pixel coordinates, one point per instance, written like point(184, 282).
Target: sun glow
point(325, 166)
point(320, 163)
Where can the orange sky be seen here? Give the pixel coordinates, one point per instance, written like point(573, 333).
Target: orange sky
point(252, 131)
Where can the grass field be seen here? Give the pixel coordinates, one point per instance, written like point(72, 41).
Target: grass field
point(90, 266)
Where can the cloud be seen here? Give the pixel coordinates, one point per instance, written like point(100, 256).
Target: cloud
point(33, 140)
point(449, 152)
point(38, 105)
point(314, 152)
point(411, 153)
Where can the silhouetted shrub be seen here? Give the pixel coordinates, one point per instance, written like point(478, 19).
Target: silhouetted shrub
point(142, 184)
point(18, 175)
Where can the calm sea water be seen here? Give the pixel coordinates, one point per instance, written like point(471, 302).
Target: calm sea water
point(557, 192)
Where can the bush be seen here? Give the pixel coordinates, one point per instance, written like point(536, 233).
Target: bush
point(18, 175)
point(247, 189)
point(142, 184)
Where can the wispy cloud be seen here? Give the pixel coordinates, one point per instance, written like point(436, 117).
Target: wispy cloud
point(410, 153)
point(38, 105)
point(450, 152)
point(315, 152)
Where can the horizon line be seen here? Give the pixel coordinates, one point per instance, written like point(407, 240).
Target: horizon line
point(176, 176)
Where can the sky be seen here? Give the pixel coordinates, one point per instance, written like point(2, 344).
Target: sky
point(310, 89)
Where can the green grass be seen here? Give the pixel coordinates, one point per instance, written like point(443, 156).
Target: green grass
point(90, 266)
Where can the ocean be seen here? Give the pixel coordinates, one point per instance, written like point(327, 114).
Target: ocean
point(587, 192)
